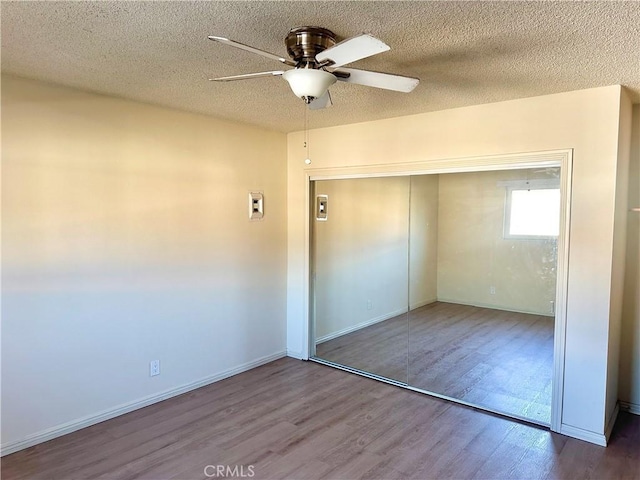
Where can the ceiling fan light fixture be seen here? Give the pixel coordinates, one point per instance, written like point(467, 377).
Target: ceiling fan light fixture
point(311, 50)
point(308, 83)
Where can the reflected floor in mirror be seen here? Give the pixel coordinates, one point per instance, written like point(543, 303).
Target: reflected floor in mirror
point(492, 358)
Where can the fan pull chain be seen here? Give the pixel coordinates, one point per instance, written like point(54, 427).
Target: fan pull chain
point(307, 160)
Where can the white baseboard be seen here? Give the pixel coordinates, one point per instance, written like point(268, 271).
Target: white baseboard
point(589, 436)
point(612, 421)
point(295, 354)
point(361, 325)
point(630, 407)
point(382, 318)
point(592, 437)
point(494, 307)
point(72, 426)
point(422, 304)
point(585, 435)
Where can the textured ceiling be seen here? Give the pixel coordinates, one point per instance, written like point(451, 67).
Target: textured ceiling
point(464, 53)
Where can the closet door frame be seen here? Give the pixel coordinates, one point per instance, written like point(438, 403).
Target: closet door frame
point(516, 161)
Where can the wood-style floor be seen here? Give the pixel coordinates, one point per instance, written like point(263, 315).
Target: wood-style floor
point(300, 420)
point(491, 358)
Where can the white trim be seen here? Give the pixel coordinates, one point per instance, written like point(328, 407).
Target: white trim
point(589, 436)
point(630, 407)
point(586, 435)
point(514, 161)
point(294, 354)
point(508, 206)
point(612, 421)
point(308, 331)
point(422, 304)
point(359, 326)
point(562, 287)
point(495, 307)
point(72, 426)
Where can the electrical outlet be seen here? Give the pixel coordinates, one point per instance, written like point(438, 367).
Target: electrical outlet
point(369, 305)
point(492, 290)
point(154, 368)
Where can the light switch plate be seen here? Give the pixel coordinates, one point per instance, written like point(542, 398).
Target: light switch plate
point(256, 205)
point(322, 207)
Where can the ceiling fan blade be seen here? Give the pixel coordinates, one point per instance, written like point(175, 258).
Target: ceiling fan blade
point(247, 48)
point(321, 102)
point(247, 76)
point(387, 81)
point(352, 49)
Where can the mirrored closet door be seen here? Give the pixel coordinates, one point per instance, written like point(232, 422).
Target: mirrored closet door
point(443, 282)
point(361, 268)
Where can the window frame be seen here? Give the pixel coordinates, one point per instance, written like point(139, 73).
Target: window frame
point(506, 234)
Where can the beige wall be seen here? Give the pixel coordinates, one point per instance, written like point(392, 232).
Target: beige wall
point(126, 239)
point(380, 237)
point(474, 256)
point(618, 267)
point(586, 121)
point(630, 345)
point(423, 245)
point(452, 226)
point(361, 254)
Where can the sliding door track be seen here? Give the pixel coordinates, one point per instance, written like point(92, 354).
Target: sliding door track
point(406, 386)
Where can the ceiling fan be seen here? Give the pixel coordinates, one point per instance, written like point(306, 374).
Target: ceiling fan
point(317, 60)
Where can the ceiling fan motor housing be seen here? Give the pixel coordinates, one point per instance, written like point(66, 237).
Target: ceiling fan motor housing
point(304, 43)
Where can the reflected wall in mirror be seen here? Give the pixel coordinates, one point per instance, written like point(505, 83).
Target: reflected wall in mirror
point(488, 338)
point(361, 255)
point(473, 256)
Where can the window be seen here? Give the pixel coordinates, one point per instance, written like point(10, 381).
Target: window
point(532, 212)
